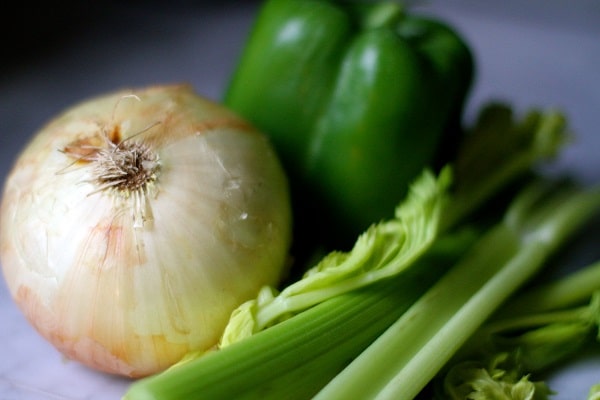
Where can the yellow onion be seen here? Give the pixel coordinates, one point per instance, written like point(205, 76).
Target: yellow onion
point(134, 223)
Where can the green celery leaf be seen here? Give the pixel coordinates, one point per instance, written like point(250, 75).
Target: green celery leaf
point(383, 251)
point(472, 380)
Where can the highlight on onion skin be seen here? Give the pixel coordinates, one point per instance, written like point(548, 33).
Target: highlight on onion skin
point(135, 222)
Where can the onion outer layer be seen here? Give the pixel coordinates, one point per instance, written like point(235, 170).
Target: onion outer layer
point(126, 269)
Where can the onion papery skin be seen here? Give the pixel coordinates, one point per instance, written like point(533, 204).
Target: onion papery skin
point(129, 281)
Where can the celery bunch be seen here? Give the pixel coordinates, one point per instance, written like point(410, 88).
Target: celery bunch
point(420, 342)
point(535, 330)
point(413, 289)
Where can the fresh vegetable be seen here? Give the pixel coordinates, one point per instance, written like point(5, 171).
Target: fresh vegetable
point(493, 382)
point(400, 363)
point(498, 150)
point(358, 98)
point(134, 223)
point(383, 251)
point(532, 332)
point(299, 351)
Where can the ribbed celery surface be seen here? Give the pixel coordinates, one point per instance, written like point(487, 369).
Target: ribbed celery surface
point(295, 358)
point(400, 363)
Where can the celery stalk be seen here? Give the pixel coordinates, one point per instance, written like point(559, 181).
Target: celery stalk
point(295, 358)
point(534, 331)
point(569, 290)
point(400, 363)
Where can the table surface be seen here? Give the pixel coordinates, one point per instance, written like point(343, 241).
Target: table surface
point(536, 53)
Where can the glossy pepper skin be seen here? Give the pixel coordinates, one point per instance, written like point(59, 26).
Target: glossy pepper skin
point(357, 97)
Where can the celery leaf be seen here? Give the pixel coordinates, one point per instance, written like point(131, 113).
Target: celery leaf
point(382, 251)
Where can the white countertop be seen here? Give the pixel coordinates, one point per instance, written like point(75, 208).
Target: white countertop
point(537, 53)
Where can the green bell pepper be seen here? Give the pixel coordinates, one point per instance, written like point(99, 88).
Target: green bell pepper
point(357, 98)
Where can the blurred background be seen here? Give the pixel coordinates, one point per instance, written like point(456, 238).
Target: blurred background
point(538, 53)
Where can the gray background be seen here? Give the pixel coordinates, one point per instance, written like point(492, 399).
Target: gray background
point(529, 53)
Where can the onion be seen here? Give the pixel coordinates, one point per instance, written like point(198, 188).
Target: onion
point(133, 224)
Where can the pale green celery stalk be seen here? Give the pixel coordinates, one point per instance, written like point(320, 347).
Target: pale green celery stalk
point(400, 363)
point(295, 358)
point(543, 339)
point(545, 324)
point(502, 356)
point(573, 289)
point(532, 332)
